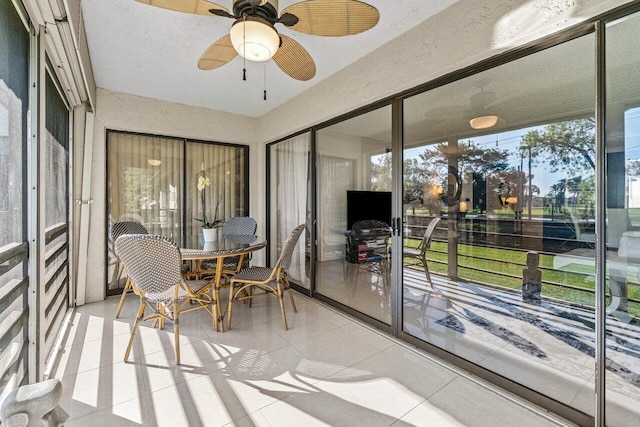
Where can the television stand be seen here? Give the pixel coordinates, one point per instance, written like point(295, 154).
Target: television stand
point(367, 245)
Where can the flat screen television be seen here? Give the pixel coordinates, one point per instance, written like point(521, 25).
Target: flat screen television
point(363, 205)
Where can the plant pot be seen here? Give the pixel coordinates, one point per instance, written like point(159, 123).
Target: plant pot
point(210, 234)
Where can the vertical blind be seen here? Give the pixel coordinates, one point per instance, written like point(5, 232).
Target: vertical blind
point(153, 180)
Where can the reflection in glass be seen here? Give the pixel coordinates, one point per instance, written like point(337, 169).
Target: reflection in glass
point(290, 202)
point(507, 281)
point(354, 213)
point(623, 222)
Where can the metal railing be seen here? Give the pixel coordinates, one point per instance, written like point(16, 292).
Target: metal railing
point(56, 297)
point(14, 317)
point(482, 238)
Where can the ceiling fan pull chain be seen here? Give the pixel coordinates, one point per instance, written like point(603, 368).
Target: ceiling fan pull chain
point(244, 47)
point(265, 81)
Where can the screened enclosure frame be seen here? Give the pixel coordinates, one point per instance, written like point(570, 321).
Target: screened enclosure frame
point(37, 268)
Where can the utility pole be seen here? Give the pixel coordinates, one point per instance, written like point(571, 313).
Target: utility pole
point(530, 186)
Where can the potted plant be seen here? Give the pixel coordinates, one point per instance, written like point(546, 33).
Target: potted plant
point(208, 227)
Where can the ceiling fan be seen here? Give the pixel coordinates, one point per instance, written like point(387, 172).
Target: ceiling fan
point(254, 37)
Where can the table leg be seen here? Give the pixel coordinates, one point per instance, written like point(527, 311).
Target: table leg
point(218, 324)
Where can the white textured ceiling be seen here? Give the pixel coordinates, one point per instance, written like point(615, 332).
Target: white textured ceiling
point(153, 52)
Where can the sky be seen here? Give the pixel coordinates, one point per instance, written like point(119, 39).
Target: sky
point(543, 178)
point(508, 141)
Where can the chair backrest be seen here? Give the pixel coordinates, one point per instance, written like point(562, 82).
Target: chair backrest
point(284, 260)
point(425, 244)
point(153, 262)
point(240, 225)
point(126, 227)
point(581, 235)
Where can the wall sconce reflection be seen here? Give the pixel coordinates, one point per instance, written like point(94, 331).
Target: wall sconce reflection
point(508, 200)
point(464, 206)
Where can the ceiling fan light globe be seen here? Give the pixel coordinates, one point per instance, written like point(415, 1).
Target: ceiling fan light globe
point(483, 122)
point(254, 40)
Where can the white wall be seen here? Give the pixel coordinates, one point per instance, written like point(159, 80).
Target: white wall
point(118, 111)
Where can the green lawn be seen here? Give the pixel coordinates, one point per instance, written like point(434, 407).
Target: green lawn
point(503, 267)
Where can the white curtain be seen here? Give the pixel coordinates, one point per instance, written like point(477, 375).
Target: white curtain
point(225, 166)
point(290, 181)
point(145, 181)
point(145, 184)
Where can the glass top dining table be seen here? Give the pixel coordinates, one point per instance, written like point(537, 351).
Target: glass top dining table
point(196, 250)
point(194, 247)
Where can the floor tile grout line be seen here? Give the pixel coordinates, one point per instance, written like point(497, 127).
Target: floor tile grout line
point(555, 419)
point(393, 340)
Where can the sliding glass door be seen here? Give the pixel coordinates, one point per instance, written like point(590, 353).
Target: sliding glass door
point(153, 180)
point(520, 250)
point(622, 150)
point(505, 161)
point(353, 261)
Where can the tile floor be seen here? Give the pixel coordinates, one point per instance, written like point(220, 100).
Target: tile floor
point(326, 370)
point(548, 347)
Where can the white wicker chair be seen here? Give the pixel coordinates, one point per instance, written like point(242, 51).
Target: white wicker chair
point(272, 280)
point(243, 225)
point(236, 226)
point(154, 267)
point(118, 229)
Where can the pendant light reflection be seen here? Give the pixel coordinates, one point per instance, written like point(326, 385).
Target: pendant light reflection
point(483, 122)
point(155, 158)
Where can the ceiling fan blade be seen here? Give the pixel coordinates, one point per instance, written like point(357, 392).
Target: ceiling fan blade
point(196, 7)
point(217, 54)
point(288, 19)
point(333, 17)
point(220, 12)
point(294, 60)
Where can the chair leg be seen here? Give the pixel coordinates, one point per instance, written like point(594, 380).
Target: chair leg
point(214, 310)
point(288, 287)
point(426, 270)
point(280, 295)
point(176, 328)
point(127, 286)
point(135, 329)
point(230, 306)
point(160, 307)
